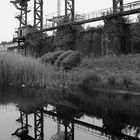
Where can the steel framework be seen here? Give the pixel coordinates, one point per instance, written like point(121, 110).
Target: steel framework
point(22, 6)
point(38, 125)
point(23, 120)
point(69, 9)
point(69, 130)
point(117, 6)
point(38, 14)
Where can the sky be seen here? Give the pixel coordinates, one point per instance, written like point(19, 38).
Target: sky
point(8, 23)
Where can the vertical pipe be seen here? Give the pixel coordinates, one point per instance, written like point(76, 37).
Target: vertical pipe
point(65, 132)
point(42, 125)
point(34, 12)
point(72, 131)
point(58, 7)
point(26, 15)
point(41, 9)
point(66, 14)
point(35, 125)
point(73, 10)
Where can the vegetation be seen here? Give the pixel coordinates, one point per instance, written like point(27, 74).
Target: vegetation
point(50, 57)
point(26, 71)
point(107, 72)
point(66, 35)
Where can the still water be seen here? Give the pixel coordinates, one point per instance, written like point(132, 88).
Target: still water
point(31, 114)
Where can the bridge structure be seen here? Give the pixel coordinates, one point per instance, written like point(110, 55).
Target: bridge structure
point(70, 17)
point(118, 9)
point(69, 124)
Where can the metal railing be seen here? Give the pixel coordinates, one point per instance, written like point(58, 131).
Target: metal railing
point(100, 14)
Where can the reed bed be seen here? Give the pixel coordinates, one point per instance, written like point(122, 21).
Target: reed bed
point(19, 70)
point(121, 72)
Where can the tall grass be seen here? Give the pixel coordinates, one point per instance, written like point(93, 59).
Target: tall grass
point(16, 69)
point(105, 72)
point(121, 72)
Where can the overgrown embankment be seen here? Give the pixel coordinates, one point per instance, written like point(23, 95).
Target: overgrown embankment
point(108, 72)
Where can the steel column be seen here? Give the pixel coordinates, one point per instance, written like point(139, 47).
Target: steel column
point(39, 125)
point(69, 9)
point(38, 14)
point(22, 6)
point(69, 130)
point(117, 6)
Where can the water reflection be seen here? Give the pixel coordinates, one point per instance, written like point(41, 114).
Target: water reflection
point(118, 115)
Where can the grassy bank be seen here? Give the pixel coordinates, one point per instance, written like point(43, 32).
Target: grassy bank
point(109, 72)
point(122, 72)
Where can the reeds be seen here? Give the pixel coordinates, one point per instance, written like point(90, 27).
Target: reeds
point(19, 70)
point(105, 72)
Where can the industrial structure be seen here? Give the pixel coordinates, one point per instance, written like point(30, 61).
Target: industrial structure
point(118, 9)
point(70, 17)
point(70, 124)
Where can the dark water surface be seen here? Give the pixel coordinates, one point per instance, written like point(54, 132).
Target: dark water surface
point(31, 114)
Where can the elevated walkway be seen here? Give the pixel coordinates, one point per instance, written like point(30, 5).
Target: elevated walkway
point(128, 9)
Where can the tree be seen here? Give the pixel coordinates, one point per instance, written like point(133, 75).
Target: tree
point(66, 35)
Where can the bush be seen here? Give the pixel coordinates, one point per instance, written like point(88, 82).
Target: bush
point(71, 60)
point(50, 57)
point(112, 81)
point(127, 82)
point(62, 57)
point(90, 81)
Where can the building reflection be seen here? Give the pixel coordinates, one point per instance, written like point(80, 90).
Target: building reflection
point(63, 116)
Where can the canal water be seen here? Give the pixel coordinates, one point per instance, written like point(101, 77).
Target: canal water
point(33, 114)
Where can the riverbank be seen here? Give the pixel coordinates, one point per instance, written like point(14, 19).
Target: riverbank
point(108, 72)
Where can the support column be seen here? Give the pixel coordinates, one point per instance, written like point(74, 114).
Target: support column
point(38, 125)
point(69, 130)
point(69, 9)
point(38, 14)
point(117, 6)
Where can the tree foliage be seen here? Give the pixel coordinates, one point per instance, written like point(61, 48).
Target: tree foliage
point(66, 35)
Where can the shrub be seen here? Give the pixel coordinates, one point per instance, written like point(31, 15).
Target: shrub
point(90, 81)
point(50, 57)
point(112, 81)
point(71, 60)
point(127, 82)
point(62, 57)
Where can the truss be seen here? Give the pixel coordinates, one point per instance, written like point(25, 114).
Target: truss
point(117, 6)
point(22, 6)
point(38, 14)
point(38, 124)
point(69, 9)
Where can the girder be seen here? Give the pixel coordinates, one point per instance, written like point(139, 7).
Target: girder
point(69, 10)
point(38, 124)
point(38, 14)
point(22, 6)
point(117, 6)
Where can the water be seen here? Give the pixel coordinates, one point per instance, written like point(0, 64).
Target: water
point(27, 114)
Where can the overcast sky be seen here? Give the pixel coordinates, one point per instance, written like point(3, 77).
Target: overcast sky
point(8, 23)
